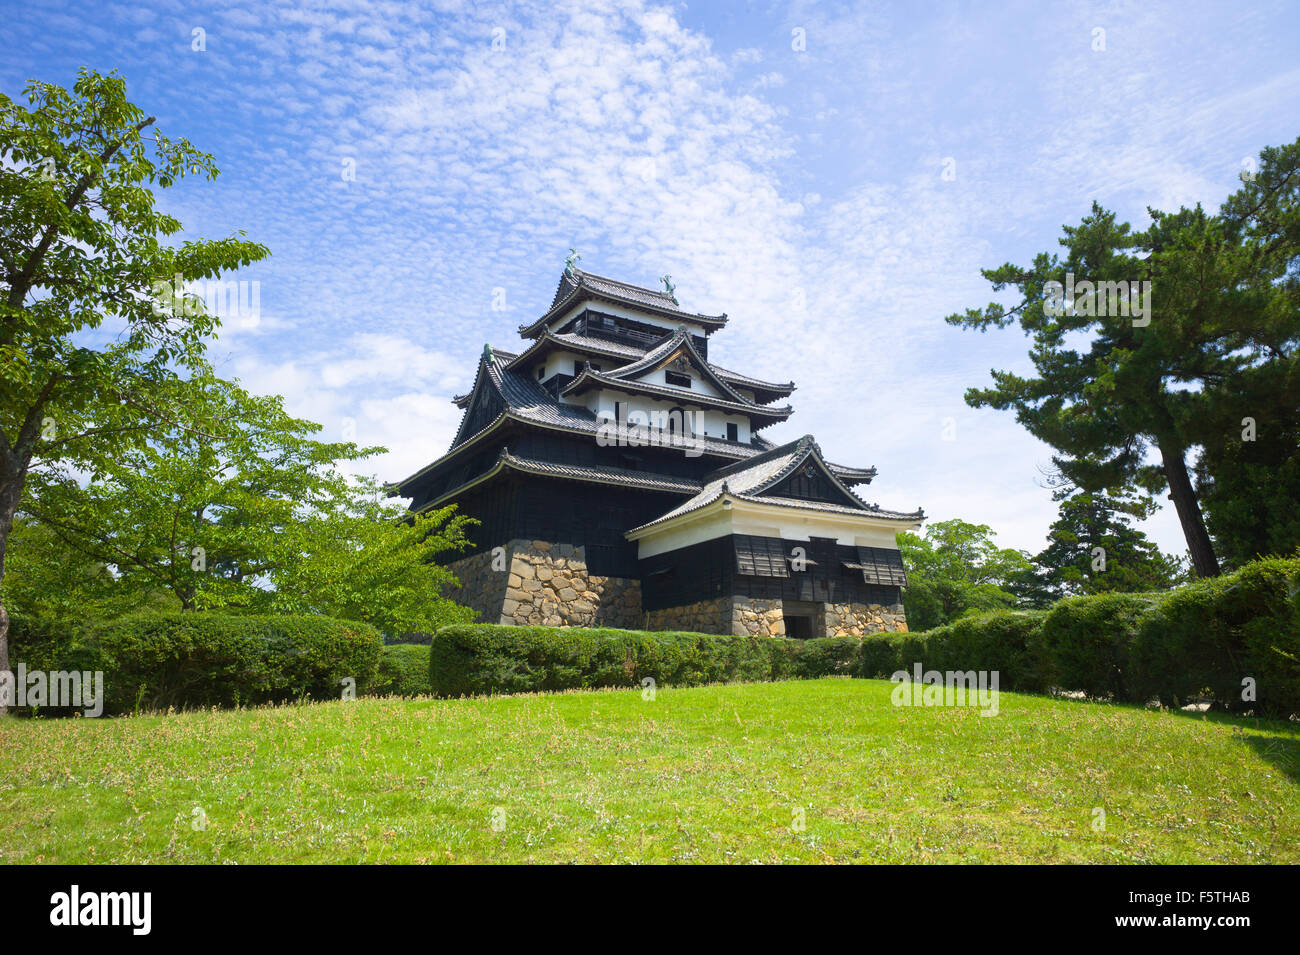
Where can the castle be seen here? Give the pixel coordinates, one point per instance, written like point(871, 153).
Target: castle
point(621, 479)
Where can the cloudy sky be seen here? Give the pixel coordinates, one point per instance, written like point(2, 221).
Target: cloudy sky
point(408, 165)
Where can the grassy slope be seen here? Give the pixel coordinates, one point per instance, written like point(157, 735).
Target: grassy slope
point(709, 775)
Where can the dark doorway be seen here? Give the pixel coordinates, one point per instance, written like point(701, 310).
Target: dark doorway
point(799, 627)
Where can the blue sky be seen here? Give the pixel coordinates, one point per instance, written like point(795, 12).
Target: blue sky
point(784, 162)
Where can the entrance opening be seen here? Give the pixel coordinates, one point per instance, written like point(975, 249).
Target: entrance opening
point(800, 627)
point(804, 619)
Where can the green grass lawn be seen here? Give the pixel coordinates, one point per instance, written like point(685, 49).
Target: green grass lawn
point(712, 774)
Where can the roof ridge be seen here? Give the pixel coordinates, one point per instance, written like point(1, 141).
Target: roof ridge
point(761, 458)
point(586, 273)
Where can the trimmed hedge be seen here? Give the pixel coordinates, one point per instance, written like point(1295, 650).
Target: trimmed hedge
point(1007, 641)
point(1212, 634)
point(403, 671)
point(1086, 643)
point(1202, 638)
point(156, 661)
point(471, 659)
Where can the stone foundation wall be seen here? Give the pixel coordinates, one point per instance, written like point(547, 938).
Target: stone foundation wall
point(482, 589)
point(539, 583)
point(859, 620)
point(755, 617)
point(707, 616)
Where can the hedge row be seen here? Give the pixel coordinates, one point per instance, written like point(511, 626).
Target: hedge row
point(1203, 638)
point(470, 659)
point(403, 671)
point(189, 660)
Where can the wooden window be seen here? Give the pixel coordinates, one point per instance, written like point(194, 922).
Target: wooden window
point(733, 431)
point(541, 371)
point(761, 556)
point(677, 380)
point(882, 566)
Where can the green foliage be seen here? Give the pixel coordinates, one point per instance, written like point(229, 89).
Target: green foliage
point(1216, 340)
point(236, 506)
point(477, 659)
point(956, 568)
point(403, 671)
point(47, 577)
point(1007, 642)
point(87, 350)
point(1128, 562)
point(1204, 637)
point(1087, 642)
point(1212, 635)
point(194, 660)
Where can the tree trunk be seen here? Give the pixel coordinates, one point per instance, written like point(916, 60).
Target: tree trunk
point(10, 490)
point(1204, 562)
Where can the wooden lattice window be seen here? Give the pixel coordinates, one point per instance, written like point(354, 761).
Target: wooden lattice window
point(882, 566)
point(761, 556)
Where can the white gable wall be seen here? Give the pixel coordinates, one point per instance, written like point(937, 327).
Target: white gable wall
point(622, 311)
point(709, 422)
point(766, 520)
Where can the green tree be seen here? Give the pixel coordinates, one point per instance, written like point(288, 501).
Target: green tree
point(45, 577)
point(1116, 378)
point(956, 568)
point(84, 344)
point(235, 505)
point(1093, 548)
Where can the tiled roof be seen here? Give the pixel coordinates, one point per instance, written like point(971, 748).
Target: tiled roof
point(572, 288)
point(605, 475)
point(599, 346)
point(593, 473)
point(526, 400)
point(616, 380)
point(745, 381)
point(681, 338)
point(748, 480)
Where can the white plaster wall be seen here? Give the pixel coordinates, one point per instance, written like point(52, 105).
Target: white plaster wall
point(610, 308)
point(709, 422)
point(768, 521)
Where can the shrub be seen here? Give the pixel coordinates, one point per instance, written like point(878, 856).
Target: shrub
point(403, 671)
point(47, 645)
point(878, 657)
point(1212, 634)
point(154, 661)
point(474, 659)
point(829, 656)
point(1086, 643)
point(1005, 641)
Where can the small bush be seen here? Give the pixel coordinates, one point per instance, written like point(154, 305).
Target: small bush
point(1213, 634)
point(156, 661)
point(829, 656)
point(470, 659)
point(403, 671)
point(1004, 641)
point(1086, 642)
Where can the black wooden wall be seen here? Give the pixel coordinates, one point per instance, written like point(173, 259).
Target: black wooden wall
point(712, 569)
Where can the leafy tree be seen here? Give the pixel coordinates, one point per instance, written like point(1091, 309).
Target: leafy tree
point(1220, 308)
point(45, 577)
point(84, 345)
point(236, 506)
point(1093, 548)
point(956, 568)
